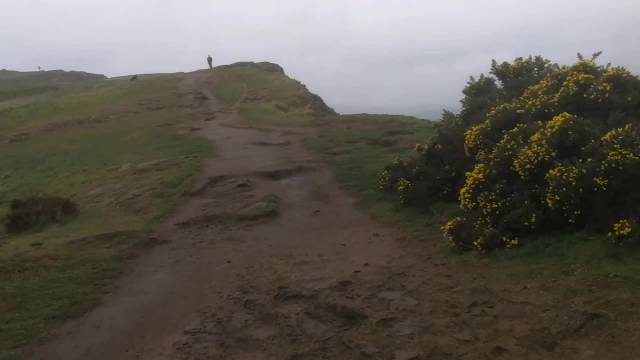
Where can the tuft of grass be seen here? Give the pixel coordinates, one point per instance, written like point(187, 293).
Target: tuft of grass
point(99, 144)
point(569, 259)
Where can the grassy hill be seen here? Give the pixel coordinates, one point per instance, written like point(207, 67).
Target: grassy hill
point(105, 145)
point(265, 96)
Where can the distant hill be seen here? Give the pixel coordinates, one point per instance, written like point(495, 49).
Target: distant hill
point(14, 84)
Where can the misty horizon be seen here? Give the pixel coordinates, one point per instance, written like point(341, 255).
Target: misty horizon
point(409, 57)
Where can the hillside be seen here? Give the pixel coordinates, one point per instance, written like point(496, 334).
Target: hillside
point(111, 147)
point(233, 214)
point(123, 151)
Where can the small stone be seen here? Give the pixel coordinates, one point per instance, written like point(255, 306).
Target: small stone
point(243, 184)
point(389, 295)
point(408, 327)
point(464, 335)
point(498, 351)
point(404, 303)
point(369, 350)
point(406, 355)
point(344, 312)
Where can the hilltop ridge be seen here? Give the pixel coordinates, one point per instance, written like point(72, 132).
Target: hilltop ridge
point(15, 84)
point(49, 76)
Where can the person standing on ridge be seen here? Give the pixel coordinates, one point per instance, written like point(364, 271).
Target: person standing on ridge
point(210, 62)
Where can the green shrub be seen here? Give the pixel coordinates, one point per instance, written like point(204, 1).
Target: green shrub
point(35, 212)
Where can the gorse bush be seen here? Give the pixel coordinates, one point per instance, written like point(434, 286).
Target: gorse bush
point(437, 172)
point(35, 212)
point(558, 149)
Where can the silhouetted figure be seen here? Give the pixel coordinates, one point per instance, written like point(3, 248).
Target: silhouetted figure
point(210, 62)
point(134, 78)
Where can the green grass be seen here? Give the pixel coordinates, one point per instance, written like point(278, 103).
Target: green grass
point(98, 143)
point(574, 259)
point(353, 146)
point(359, 146)
point(267, 99)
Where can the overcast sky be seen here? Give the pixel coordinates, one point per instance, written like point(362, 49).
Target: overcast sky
point(394, 56)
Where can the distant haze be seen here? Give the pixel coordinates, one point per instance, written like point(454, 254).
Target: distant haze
point(411, 57)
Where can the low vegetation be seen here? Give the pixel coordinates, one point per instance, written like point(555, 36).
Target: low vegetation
point(103, 146)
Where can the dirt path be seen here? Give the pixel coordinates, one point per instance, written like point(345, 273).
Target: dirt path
point(319, 281)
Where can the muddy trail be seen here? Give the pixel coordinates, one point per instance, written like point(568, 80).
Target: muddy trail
point(267, 258)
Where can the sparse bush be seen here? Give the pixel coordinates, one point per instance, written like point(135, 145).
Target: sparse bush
point(34, 212)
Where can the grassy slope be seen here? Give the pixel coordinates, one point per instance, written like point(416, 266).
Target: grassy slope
point(267, 98)
point(358, 146)
point(97, 142)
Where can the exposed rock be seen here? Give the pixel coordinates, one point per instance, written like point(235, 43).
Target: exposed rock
point(408, 327)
